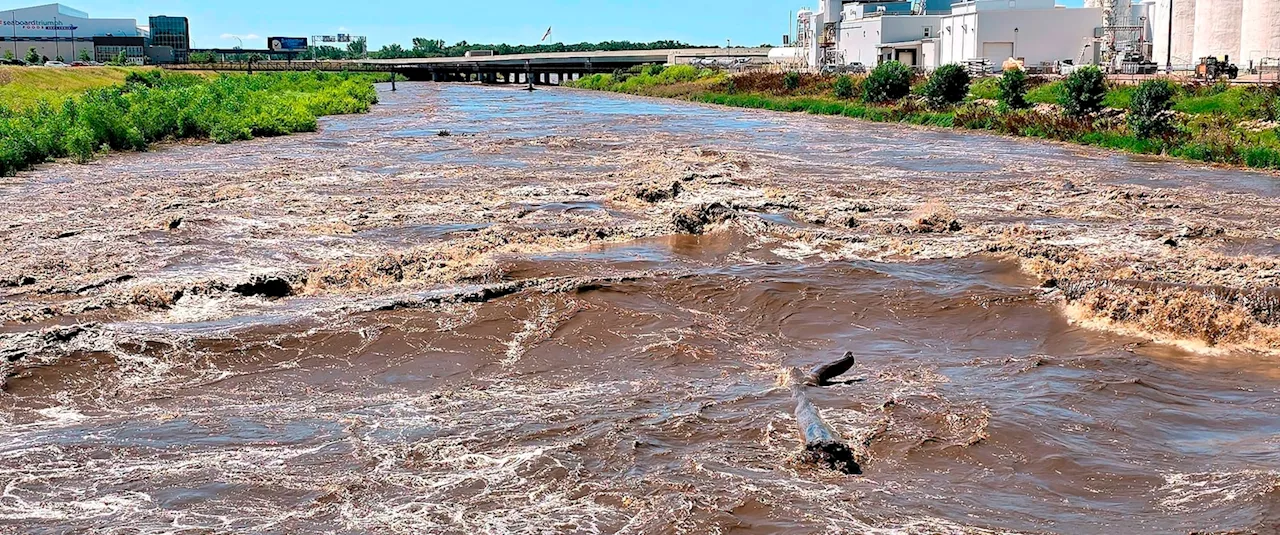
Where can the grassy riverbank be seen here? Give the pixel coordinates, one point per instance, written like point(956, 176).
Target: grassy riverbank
point(1214, 123)
point(146, 106)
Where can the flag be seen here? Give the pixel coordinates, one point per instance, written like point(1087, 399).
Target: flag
point(546, 35)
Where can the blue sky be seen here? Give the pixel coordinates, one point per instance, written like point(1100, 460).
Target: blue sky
point(749, 22)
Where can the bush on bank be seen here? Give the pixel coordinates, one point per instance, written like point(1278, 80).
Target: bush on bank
point(1149, 109)
point(947, 86)
point(1083, 91)
point(155, 106)
point(1013, 90)
point(887, 82)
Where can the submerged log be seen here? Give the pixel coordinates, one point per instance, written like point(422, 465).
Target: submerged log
point(822, 374)
point(822, 445)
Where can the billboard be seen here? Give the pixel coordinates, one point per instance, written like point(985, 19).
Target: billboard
point(287, 44)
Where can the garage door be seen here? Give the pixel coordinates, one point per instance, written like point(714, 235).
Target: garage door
point(997, 52)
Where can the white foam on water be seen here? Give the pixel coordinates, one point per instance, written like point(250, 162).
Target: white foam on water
point(1184, 492)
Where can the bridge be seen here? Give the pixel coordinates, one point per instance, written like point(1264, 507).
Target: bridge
point(553, 67)
point(538, 69)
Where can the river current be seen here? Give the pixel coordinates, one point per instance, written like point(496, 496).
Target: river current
point(642, 401)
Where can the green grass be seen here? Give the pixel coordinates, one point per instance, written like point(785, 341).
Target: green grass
point(985, 88)
point(1044, 94)
point(154, 106)
point(24, 87)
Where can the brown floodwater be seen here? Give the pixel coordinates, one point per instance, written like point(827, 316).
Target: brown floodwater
point(301, 334)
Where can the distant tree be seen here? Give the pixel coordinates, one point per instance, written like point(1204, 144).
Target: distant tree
point(427, 47)
point(202, 58)
point(122, 58)
point(328, 52)
point(84, 55)
point(358, 48)
point(8, 55)
point(391, 51)
point(59, 59)
point(33, 56)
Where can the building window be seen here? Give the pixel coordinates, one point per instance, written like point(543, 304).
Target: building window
point(928, 31)
point(105, 54)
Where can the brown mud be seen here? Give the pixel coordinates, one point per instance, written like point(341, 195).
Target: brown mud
point(568, 316)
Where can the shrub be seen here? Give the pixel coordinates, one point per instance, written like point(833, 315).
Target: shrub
point(1261, 102)
point(948, 86)
point(1013, 90)
point(155, 106)
point(1083, 91)
point(791, 81)
point(844, 86)
point(33, 57)
point(654, 70)
point(887, 82)
point(677, 73)
point(1149, 109)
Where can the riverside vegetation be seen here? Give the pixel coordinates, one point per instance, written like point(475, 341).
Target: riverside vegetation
point(1210, 122)
point(150, 106)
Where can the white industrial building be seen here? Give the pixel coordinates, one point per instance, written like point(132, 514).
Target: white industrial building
point(55, 30)
point(1035, 31)
point(930, 33)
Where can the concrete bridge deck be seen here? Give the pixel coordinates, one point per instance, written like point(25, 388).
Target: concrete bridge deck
point(544, 68)
point(551, 67)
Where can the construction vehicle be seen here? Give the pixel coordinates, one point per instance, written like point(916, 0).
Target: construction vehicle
point(1211, 68)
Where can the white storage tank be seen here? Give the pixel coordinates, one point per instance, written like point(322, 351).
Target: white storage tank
point(1184, 28)
point(1259, 31)
point(1218, 28)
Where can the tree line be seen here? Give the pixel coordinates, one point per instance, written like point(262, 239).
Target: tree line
point(437, 48)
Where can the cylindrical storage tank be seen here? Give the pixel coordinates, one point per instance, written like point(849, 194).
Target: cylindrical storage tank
point(1184, 29)
point(1259, 31)
point(1218, 28)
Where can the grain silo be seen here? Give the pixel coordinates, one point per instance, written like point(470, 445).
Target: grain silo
point(1218, 28)
point(1260, 32)
point(1184, 28)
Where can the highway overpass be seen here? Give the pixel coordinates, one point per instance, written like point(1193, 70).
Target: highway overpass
point(551, 67)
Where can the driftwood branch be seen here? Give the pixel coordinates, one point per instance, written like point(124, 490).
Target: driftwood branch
point(823, 446)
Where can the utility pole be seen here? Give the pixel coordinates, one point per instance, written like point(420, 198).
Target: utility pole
point(1168, 65)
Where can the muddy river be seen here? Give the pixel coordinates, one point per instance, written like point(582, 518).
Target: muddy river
point(479, 310)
